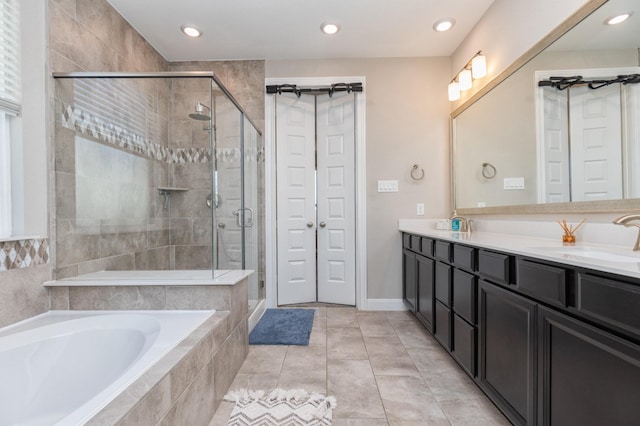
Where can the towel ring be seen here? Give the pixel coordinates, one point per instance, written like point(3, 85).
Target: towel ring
point(488, 171)
point(414, 169)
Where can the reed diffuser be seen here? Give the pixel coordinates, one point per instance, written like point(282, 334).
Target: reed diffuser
point(569, 236)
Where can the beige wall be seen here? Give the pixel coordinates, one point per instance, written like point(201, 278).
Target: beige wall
point(407, 123)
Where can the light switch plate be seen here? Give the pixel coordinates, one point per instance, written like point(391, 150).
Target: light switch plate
point(387, 186)
point(420, 209)
point(514, 183)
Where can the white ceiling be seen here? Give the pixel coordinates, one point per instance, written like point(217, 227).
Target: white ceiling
point(290, 29)
point(593, 34)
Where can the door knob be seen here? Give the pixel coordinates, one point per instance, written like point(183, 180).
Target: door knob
point(322, 224)
point(309, 224)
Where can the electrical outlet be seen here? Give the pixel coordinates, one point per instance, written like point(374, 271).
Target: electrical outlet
point(420, 209)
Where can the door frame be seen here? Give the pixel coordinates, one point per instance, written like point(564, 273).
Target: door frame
point(271, 246)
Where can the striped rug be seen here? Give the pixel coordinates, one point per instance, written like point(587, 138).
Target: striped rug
point(280, 407)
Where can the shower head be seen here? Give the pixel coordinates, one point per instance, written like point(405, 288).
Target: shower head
point(201, 113)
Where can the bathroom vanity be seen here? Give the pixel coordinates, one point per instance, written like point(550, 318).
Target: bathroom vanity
point(550, 333)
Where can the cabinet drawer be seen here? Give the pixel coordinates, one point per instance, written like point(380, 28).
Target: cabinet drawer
point(609, 301)
point(443, 325)
point(415, 243)
point(427, 247)
point(406, 241)
point(464, 295)
point(464, 344)
point(494, 266)
point(443, 283)
point(464, 257)
point(442, 251)
point(545, 283)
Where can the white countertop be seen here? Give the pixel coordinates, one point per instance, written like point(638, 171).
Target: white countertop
point(541, 248)
point(153, 278)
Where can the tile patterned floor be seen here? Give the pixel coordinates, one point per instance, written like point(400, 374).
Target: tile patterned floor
point(383, 368)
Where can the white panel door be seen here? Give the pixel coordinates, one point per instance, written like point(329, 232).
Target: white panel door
point(296, 210)
point(336, 198)
point(596, 152)
point(556, 146)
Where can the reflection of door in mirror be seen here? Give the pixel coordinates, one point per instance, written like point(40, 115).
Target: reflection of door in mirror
point(582, 155)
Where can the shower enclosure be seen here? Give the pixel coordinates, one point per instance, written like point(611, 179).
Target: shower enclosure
point(154, 172)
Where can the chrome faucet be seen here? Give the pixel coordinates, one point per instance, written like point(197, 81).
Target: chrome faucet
point(465, 224)
point(627, 221)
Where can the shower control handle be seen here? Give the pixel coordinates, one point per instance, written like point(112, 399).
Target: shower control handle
point(322, 224)
point(309, 224)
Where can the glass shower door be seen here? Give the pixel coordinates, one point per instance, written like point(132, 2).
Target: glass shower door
point(250, 209)
point(228, 183)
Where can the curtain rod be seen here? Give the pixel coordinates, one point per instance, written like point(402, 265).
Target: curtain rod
point(330, 90)
point(562, 83)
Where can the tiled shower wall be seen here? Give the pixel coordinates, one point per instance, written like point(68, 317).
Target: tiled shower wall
point(82, 26)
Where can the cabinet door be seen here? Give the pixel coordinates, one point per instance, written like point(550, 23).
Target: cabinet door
point(507, 367)
point(442, 331)
point(587, 376)
point(464, 344)
point(443, 283)
point(409, 279)
point(425, 292)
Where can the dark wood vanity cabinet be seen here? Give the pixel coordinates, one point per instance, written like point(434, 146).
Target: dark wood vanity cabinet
point(418, 278)
point(587, 375)
point(549, 343)
point(506, 349)
point(409, 279)
point(426, 300)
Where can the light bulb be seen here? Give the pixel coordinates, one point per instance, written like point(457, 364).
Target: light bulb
point(464, 79)
point(479, 66)
point(454, 91)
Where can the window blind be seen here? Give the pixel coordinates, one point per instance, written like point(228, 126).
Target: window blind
point(10, 92)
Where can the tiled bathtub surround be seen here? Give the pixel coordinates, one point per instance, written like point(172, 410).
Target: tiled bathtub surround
point(187, 385)
point(23, 253)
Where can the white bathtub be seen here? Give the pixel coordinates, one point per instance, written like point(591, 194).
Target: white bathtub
point(62, 367)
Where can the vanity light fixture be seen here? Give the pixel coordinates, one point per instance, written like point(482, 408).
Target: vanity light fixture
point(475, 68)
point(191, 31)
point(329, 28)
point(444, 24)
point(617, 19)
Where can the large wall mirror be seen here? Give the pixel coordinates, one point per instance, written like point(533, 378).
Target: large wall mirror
point(521, 146)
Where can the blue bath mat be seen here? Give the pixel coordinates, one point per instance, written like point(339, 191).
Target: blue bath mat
point(283, 327)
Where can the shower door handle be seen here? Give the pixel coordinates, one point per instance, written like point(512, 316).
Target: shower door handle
point(242, 219)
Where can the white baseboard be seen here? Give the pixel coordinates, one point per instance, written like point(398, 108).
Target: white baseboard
point(257, 313)
point(384, 305)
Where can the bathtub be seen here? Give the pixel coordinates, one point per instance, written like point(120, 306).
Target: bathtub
point(62, 367)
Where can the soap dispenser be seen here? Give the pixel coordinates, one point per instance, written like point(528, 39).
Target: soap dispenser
point(455, 221)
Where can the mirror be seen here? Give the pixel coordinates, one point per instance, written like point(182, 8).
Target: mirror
point(519, 147)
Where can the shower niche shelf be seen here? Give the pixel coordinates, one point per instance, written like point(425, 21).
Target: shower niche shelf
point(166, 191)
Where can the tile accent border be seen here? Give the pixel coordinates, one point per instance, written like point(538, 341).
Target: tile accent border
point(23, 253)
point(86, 124)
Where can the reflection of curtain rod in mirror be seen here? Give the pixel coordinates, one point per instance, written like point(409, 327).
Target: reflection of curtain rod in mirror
point(562, 83)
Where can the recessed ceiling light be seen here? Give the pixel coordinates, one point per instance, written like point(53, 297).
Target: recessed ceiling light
point(443, 24)
point(618, 19)
point(191, 31)
point(329, 28)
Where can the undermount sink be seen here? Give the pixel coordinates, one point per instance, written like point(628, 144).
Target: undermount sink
point(591, 253)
